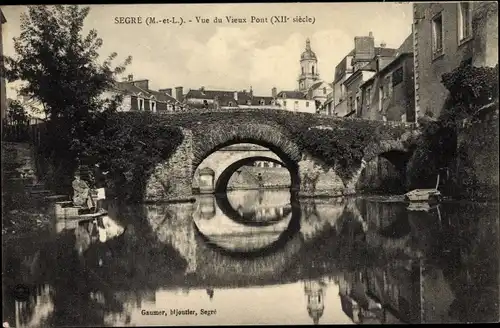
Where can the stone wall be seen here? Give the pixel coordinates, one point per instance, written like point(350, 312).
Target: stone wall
point(318, 180)
point(272, 177)
point(171, 180)
point(476, 167)
point(380, 176)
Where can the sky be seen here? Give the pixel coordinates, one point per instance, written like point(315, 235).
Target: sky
point(233, 56)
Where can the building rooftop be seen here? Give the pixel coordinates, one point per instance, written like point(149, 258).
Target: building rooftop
point(343, 66)
point(291, 95)
point(129, 87)
point(224, 97)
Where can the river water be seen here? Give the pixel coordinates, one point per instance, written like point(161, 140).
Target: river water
point(259, 257)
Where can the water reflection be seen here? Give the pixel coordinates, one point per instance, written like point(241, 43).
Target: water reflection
point(341, 261)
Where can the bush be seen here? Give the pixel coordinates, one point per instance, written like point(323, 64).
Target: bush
point(339, 148)
point(470, 88)
point(128, 148)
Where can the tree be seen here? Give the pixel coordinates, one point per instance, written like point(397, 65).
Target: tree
point(61, 70)
point(16, 113)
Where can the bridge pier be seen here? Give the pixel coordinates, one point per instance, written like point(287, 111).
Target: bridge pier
point(171, 181)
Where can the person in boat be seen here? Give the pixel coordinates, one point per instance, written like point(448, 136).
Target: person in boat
point(81, 193)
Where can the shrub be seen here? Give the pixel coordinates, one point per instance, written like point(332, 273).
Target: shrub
point(470, 88)
point(128, 148)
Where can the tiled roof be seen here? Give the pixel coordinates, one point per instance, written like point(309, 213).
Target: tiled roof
point(130, 88)
point(244, 98)
point(316, 85)
point(163, 97)
point(209, 94)
point(292, 94)
point(343, 65)
point(385, 52)
point(407, 45)
point(224, 97)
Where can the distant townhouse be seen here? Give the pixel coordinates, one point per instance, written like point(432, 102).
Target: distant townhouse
point(389, 94)
point(220, 99)
point(447, 34)
point(341, 102)
point(295, 101)
point(138, 97)
point(319, 92)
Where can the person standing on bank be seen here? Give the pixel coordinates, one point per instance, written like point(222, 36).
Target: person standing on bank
point(81, 192)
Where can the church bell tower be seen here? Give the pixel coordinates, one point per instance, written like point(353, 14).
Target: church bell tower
point(308, 68)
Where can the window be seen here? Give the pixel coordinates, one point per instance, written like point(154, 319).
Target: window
point(368, 95)
point(230, 104)
point(464, 21)
point(397, 76)
point(302, 69)
point(307, 103)
point(296, 105)
point(153, 106)
point(437, 35)
point(140, 103)
point(324, 91)
point(284, 103)
point(313, 69)
point(358, 104)
point(380, 97)
point(387, 87)
point(262, 102)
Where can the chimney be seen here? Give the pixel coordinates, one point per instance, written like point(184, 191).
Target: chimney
point(364, 48)
point(236, 95)
point(383, 44)
point(202, 89)
point(143, 84)
point(251, 91)
point(274, 92)
point(130, 77)
point(370, 34)
point(178, 93)
point(167, 91)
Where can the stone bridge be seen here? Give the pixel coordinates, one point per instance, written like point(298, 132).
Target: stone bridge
point(216, 170)
point(280, 132)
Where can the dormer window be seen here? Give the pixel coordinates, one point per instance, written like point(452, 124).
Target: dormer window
point(140, 103)
point(283, 95)
point(230, 104)
point(262, 102)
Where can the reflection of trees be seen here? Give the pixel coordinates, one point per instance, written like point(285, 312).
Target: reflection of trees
point(71, 286)
point(469, 252)
point(134, 261)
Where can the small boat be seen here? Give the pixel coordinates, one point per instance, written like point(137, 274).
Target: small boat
point(432, 195)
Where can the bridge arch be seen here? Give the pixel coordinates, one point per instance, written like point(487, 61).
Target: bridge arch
point(216, 137)
point(222, 181)
point(397, 152)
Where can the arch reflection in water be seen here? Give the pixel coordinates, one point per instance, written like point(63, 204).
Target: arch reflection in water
point(254, 227)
